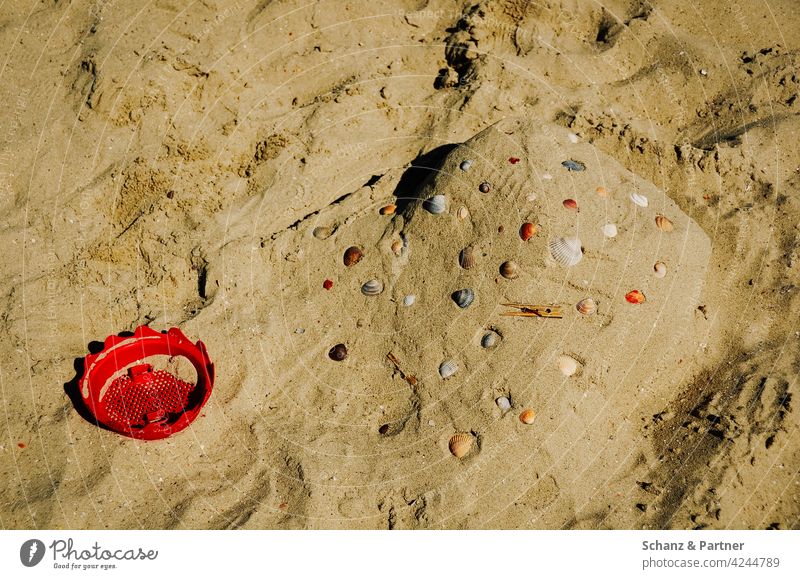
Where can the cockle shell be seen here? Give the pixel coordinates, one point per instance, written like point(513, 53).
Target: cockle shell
point(570, 204)
point(660, 269)
point(664, 224)
point(609, 230)
point(639, 200)
point(460, 444)
point(436, 204)
point(463, 297)
point(485, 187)
point(372, 288)
point(352, 255)
point(462, 213)
point(635, 297)
point(447, 369)
point(586, 306)
point(465, 165)
point(526, 231)
point(503, 403)
point(409, 300)
point(566, 251)
point(489, 339)
point(322, 232)
point(388, 209)
point(467, 258)
point(527, 416)
point(509, 269)
point(567, 365)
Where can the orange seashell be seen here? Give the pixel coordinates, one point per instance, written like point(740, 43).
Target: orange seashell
point(397, 247)
point(664, 224)
point(460, 444)
point(527, 416)
point(527, 231)
point(635, 297)
point(352, 255)
point(571, 204)
point(388, 210)
point(602, 191)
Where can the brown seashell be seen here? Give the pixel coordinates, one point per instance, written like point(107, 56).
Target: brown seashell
point(527, 416)
point(586, 306)
point(635, 297)
point(460, 444)
point(664, 224)
point(388, 209)
point(485, 187)
point(526, 231)
point(602, 191)
point(397, 247)
point(509, 269)
point(352, 255)
point(338, 352)
point(467, 258)
point(571, 204)
point(660, 269)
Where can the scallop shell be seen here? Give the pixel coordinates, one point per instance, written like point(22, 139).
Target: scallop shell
point(372, 288)
point(566, 251)
point(397, 247)
point(460, 444)
point(447, 369)
point(503, 403)
point(322, 232)
point(660, 269)
point(602, 191)
point(352, 255)
point(338, 352)
point(485, 187)
point(509, 269)
point(465, 165)
point(527, 416)
point(388, 209)
point(609, 230)
point(664, 224)
point(526, 231)
point(586, 306)
point(467, 258)
point(463, 297)
point(436, 204)
point(567, 365)
point(635, 297)
point(489, 339)
point(570, 204)
point(639, 200)
point(462, 213)
point(409, 300)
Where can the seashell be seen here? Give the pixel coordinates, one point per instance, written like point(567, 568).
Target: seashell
point(372, 288)
point(467, 258)
point(489, 339)
point(465, 165)
point(526, 231)
point(639, 200)
point(509, 269)
point(460, 444)
point(447, 369)
point(513, 160)
point(609, 230)
point(409, 300)
point(463, 297)
point(436, 204)
point(566, 251)
point(485, 187)
point(527, 416)
point(388, 209)
point(503, 403)
point(547, 176)
point(531, 196)
point(602, 191)
point(572, 165)
point(571, 204)
point(322, 232)
point(338, 352)
point(635, 297)
point(462, 213)
point(573, 138)
point(664, 224)
point(352, 255)
point(660, 269)
point(586, 306)
point(397, 247)
point(567, 365)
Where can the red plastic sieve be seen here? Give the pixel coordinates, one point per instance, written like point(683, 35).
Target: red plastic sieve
point(125, 394)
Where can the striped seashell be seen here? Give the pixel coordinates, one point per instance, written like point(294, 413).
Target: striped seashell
point(372, 288)
point(566, 251)
point(465, 165)
point(467, 258)
point(352, 255)
point(509, 269)
point(527, 416)
point(322, 232)
point(447, 369)
point(460, 444)
point(567, 365)
point(586, 306)
point(526, 231)
point(503, 403)
point(489, 339)
point(436, 204)
point(639, 200)
point(609, 230)
point(660, 269)
point(463, 297)
point(664, 224)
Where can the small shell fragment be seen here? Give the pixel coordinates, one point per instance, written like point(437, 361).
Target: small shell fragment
point(586, 306)
point(465, 165)
point(462, 213)
point(397, 247)
point(526, 231)
point(664, 224)
point(573, 165)
point(485, 187)
point(570, 204)
point(503, 403)
point(602, 191)
point(509, 269)
point(639, 200)
point(352, 255)
point(489, 339)
point(467, 258)
point(660, 269)
point(463, 297)
point(322, 232)
point(338, 352)
point(409, 300)
point(567, 365)
point(527, 416)
point(635, 297)
point(388, 209)
point(436, 204)
point(372, 288)
point(609, 230)
point(447, 369)
point(566, 251)
point(460, 444)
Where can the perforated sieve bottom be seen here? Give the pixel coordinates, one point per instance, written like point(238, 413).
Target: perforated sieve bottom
point(144, 397)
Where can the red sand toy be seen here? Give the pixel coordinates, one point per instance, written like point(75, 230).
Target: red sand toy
point(125, 394)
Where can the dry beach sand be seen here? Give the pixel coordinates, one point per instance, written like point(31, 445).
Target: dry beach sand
point(206, 165)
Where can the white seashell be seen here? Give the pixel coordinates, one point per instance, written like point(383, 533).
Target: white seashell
point(640, 200)
point(547, 176)
point(567, 365)
point(436, 204)
point(447, 369)
point(660, 269)
point(462, 213)
point(573, 138)
point(409, 300)
point(372, 288)
point(566, 251)
point(465, 165)
point(609, 230)
point(489, 339)
point(531, 196)
point(503, 403)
